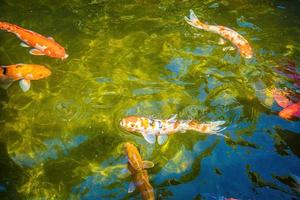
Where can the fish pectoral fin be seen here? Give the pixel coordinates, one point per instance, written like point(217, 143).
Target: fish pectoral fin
point(24, 84)
point(36, 52)
point(221, 41)
point(23, 44)
point(51, 38)
point(149, 137)
point(148, 164)
point(131, 187)
point(161, 139)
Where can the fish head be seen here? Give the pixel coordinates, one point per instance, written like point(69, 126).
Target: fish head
point(132, 123)
point(56, 51)
point(133, 156)
point(128, 147)
point(37, 72)
point(291, 112)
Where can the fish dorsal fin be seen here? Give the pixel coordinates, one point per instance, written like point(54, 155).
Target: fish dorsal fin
point(131, 187)
point(148, 164)
point(24, 84)
point(36, 52)
point(193, 16)
point(149, 137)
point(51, 38)
point(161, 139)
point(23, 44)
point(173, 117)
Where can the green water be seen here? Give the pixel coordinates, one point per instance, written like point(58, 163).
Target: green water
point(62, 140)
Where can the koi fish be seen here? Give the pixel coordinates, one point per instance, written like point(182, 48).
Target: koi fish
point(291, 110)
point(280, 98)
point(238, 40)
point(150, 128)
point(41, 45)
point(289, 70)
point(23, 72)
point(137, 167)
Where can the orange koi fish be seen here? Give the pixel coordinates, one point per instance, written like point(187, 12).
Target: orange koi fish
point(23, 72)
point(137, 167)
point(41, 45)
point(291, 110)
point(150, 128)
point(239, 41)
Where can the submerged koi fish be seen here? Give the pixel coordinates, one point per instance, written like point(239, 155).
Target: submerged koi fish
point(280, 98)
point(291, 110)
point(23, 72)
point(239, 41)
point(41, 45)
point(150, 128)
point(289, 70)
point(137, 167)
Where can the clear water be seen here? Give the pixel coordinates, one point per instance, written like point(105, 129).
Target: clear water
point(61, 140)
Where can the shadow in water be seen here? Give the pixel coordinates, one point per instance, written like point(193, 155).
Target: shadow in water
point(81, 163)
point(164, 193)
point(288, 140)
point(11, 175)
point(259, 182)
point(3, 99)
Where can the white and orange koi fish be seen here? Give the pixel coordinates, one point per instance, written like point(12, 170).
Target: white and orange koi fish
point(150, 128)
point(41, 45)
point(239, 41)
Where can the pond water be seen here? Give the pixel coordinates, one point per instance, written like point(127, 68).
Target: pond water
point(62, 139)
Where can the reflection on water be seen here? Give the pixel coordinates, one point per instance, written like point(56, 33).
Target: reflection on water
point(141, 58)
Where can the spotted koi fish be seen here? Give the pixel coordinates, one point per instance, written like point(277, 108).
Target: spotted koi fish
point(238, 40)
point(150, 128)
point(41, 45)
point(290, 110)
point(23, 72)
point(137, 168)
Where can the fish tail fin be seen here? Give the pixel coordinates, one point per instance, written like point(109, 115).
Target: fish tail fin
point(212, 128)
point(194, 21)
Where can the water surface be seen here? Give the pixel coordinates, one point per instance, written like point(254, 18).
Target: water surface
point(61, 140)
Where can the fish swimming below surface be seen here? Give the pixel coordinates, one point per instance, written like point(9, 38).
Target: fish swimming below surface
point(23, 72)
point(289, 70)
point(290, 110)
point(150, 128)
point(137, 167)
point(238, 40)
point(280, 98)
point(41, 45)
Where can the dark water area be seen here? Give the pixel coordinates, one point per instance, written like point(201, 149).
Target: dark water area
point(62, 139)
